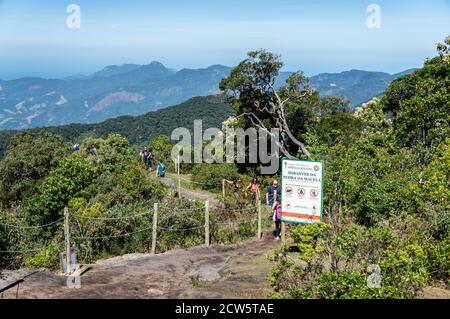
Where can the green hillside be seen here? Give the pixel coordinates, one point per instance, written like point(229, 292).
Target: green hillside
point(140, 129)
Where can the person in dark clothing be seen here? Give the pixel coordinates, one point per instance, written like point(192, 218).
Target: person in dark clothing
point(276, 209)
point(271, 190)
point(147, 157)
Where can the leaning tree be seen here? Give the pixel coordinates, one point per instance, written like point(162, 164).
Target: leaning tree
point(256, 98)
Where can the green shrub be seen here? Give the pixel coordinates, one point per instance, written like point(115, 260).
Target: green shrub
point(210, 176)
point(161, 148)
point(438, 260)
point(306, 237)
point(48, 258)
point(28, 159)
point(333, 260)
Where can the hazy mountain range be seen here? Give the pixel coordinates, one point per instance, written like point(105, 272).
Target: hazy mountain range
point(140, 129)
point(132, 89)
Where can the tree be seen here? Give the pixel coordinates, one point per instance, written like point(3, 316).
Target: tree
point(420, 101)
point(444, 49)
point(28, 159)
point(251, 85)
point(161, 147)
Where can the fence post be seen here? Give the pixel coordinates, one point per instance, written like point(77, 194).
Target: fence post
point(67, 240)
point(283, 232)
point(179, 180)
point(207, 223)
point(155, 223)
point(223, 188)
point(258, 198)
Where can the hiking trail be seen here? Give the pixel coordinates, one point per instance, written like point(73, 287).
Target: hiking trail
point(198, 195)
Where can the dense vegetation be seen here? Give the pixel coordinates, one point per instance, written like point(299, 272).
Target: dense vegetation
point(387, 196)
point(109, 195)
point(139, 129)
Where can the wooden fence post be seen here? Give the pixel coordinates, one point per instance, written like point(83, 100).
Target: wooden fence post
point(258, 198)
point(179, 179)
point(155, 223)
point(283, 232)
point(207, 223)
point(223, 188)
point(67, 240)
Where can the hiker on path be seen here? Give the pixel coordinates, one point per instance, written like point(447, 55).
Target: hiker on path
point(147, 157)
point(161, 169)
point(276, 216)
point(253, 188)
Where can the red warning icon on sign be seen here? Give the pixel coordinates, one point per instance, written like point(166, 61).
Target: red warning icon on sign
point(314, 193)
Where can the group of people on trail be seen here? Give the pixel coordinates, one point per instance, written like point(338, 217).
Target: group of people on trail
point(273, 193)
point(145, 154)
point(273, 196)
point(147, 158)
point(239, 192)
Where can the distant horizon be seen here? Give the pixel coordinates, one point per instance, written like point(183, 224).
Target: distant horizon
point(68, 75)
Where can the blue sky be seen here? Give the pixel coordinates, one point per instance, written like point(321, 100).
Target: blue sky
point(313, 36)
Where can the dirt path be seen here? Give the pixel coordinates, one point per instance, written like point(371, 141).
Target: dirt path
point(236, 271)
point(190, 193)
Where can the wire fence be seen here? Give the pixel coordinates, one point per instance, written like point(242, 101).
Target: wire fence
point(156, 222)
point(190, 216)
point(21, 228)
point(32, 227)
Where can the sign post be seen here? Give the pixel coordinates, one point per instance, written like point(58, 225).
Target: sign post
point(302, 191)
point(206, 223)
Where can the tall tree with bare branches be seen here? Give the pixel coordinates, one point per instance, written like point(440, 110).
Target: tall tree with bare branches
point(251, 86)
